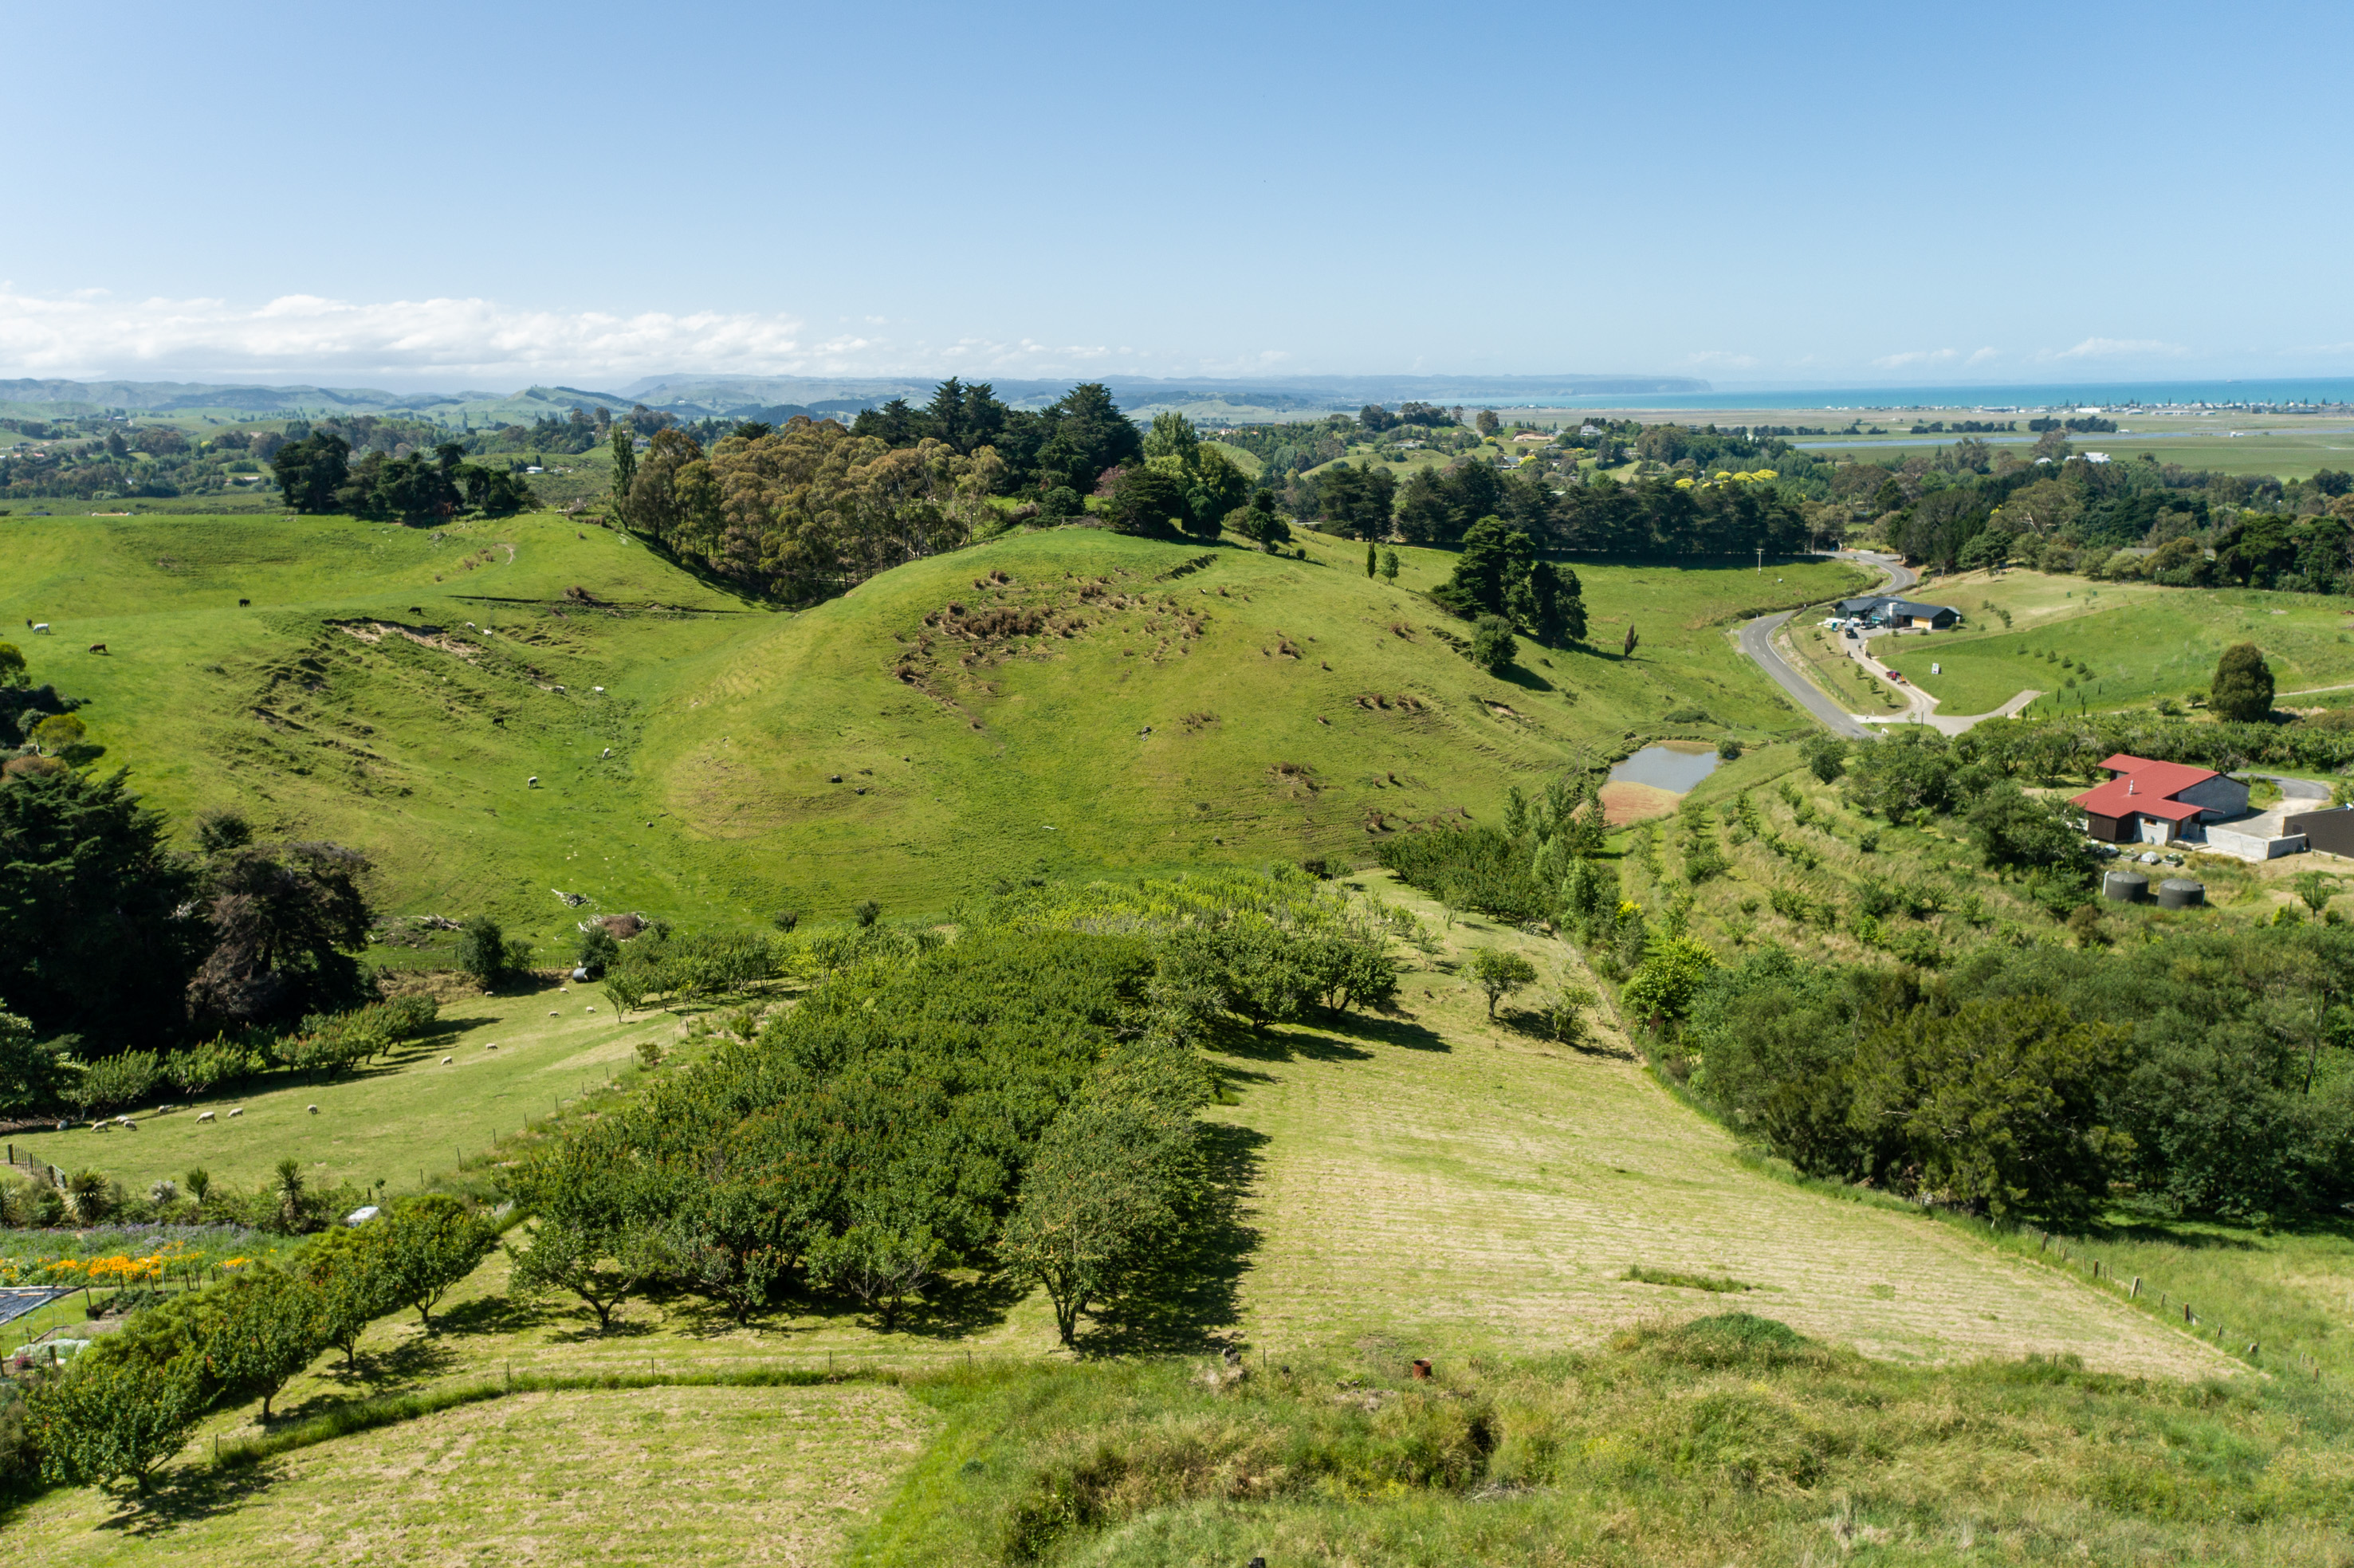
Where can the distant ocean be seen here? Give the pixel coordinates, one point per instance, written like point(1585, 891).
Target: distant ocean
point(2074, 393)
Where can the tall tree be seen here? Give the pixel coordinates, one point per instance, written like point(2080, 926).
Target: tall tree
point(2243, 685)
point(92, 933)
point(625, 468)
point(1089, 435)
point(311, 471)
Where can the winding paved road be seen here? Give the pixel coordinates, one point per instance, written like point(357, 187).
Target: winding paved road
point(1757, 643)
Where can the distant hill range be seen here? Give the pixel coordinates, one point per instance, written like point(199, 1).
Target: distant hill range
point(779, 397)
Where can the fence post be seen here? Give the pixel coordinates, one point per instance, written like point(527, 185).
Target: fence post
point(2135, 1294)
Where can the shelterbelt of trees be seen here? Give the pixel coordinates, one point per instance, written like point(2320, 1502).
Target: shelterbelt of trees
point(2070, 515)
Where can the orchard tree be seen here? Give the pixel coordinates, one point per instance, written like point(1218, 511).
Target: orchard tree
point(262, 1328)
point(108, 1418)
point(430, 1244)
point(350, 1273)
point(1501, 973)
point(879, 1262)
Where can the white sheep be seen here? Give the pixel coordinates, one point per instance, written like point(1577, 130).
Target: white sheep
point(490, 1047)
point(238, 1111)
point(551, 1012)
point(130, 1127)
point(204, 1115)
point(447, 1060)
point(532, 782)
point(592, 1008)
point(98, 1127)
point(41, 627)
point(314, 1110)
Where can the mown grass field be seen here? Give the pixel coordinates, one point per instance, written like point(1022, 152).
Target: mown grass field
point(1476, 1187)
point(399, 1119)
point(2140, 641)
point(353, 700)
point(631, 1476)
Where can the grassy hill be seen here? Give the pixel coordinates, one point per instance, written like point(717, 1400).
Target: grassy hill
point(2132, 642)
point(1089, 702)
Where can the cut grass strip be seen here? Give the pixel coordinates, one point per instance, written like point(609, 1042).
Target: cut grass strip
point(1722, 1284)
point(366, 1415)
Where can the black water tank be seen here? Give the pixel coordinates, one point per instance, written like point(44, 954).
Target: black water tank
point(2180, 893)
point(2125, 886)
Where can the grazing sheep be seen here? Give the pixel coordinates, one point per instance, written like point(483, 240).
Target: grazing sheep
point(417, 609)
point(245, 604)
point(314, 1110)
point(204, 1115)
point(532, 782)
point(98, 647)
point(597, 688)
point(238, 1111)
point(98, 1127)
point(592, 1007)
point(490, 1047)
point(447, 1060)
point(608, 751)
point(40, 628)
point(130, 1127)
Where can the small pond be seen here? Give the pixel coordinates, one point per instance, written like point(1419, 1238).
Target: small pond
point(1675, 766)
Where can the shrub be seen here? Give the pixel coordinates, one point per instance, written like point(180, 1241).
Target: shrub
point(1493, 647)
point(485, 953)
point(111, 1081)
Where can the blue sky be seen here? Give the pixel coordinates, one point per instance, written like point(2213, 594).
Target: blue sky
point(490, 194)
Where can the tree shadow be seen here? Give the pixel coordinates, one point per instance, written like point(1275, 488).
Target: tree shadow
point(486, 1315)
point(1396, 1030)
point(1526, 679)
point(1196, 1291)
point(956, 1308)
point(411, 1363)
point(188, 1494)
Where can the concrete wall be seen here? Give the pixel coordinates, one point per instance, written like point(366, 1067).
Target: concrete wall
point(2252, 846)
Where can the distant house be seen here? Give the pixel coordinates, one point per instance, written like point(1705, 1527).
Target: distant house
point(2158, 802)
point(1881, 610)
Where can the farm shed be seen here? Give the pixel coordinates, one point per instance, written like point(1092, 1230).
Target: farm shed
point(2330, 832)
point(2158, 802)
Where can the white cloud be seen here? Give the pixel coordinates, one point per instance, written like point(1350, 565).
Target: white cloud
point(476, 342)
point(2118, 348)
point(1723, 357)
point(1982, 356)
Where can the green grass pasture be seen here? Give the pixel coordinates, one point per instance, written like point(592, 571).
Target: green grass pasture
point(2141, 641)
point(396, 689)
point(399, 1119)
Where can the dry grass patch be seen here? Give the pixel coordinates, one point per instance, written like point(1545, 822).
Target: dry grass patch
point(691, 1474)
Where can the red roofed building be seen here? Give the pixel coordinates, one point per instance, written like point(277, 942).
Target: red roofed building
point(2158, 802)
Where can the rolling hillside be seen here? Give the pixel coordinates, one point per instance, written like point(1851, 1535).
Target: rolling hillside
point(1054, 702)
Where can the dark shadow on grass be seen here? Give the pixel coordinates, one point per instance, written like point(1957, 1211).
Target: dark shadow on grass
point(1195, 1292)
point(192, 1492)
point(412, 1363)
point(954, 1308)
point(1528, 680)
point(1390, 1030)
point(486, 1315)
